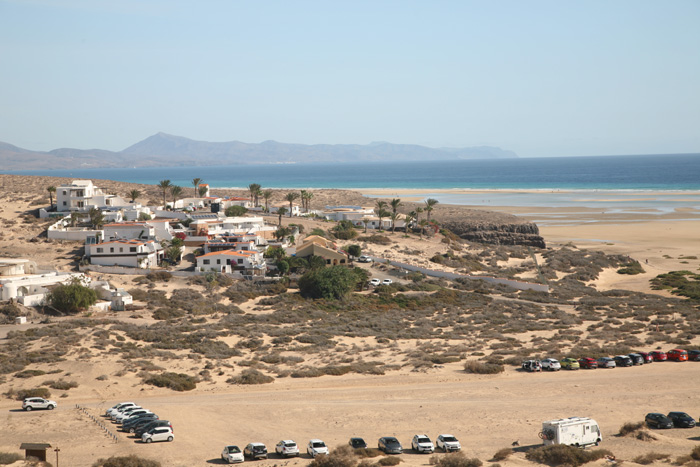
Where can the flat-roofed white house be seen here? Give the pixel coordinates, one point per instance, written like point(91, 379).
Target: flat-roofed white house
point(129, 231)
point(221, 244)
point(227, 261)
point(128, 253)
point(82, 195)
point(30, 289)
point(296, 210)
point(17, 266)
point(347, 213)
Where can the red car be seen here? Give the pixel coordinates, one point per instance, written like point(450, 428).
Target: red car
point(647, 357)
point(678, 355)
point(587, 362)
point(658, 356)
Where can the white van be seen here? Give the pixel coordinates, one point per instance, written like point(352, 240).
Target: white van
point(574, 431)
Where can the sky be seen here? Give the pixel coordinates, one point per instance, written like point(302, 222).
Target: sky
point(541, 78)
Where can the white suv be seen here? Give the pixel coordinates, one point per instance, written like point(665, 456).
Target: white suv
point(551, 364)
point(447, 443)
point(421, 443)
point(316, 447)
point(161, 433)
point(287, 448)
point(32, 403)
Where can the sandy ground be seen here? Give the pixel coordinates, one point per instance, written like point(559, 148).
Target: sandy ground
point(486, 413)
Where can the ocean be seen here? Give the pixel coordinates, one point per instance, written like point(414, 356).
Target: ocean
point(522, 181)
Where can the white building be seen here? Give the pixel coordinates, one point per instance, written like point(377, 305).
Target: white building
point(128, 253)
point(82, 195)
point(129, 231)
point(30, 289)
point(346, 213)
point(227, 261)
point(296, 210)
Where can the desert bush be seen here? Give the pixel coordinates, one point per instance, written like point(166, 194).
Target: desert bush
point(174, 381)
point(339, 457)
point(70, 298)
point(330, 283)
point(368, 452)
point(21, 394)
point(29, 373)
point(250, 376)
point(158, 276)
point(631, 268)
point(561, 454)
point(480, 368)
point(502, 454)
point(456, 459)
point(167, 313)
point(389, 460)
point(9, 458)
point(683, 283)
point(695, 453)
point(61, 385)
point(630, 427)
point(378, 239)
point(649, 458)
point(126, 461)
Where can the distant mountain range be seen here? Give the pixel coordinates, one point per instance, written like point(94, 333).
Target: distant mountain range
point(163, 150)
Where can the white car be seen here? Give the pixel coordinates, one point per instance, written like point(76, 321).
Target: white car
point(375, 282)
point(119, 416)
point(447, 443)
point(134, 414)
point(32, 403)
point(387, 282)
point(124, 410)
point(232, 454)
point(161, 433)
point(421, 443)
point(316, 447)
point(121, 405)
point(551, 364)
point(364, 259)
point(287, 448)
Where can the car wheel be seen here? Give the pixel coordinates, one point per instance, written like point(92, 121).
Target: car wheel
point(28, 408)
point(149, 440)
point(132, 431)
point(170, 438)
point(50, 407)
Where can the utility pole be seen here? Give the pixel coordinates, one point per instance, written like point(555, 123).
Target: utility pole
point(56, 451)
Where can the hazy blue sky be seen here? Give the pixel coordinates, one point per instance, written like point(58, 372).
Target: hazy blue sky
point(542, 78)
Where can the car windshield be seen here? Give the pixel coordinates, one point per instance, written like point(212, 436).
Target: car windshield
point(291, 445)
point(233, 449)
point(423, 439)
point(258, 448)
point(449, 439)
point(357, 442)
point(319, 444)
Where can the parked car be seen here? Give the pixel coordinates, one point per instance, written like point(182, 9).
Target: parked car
point(648, 358)
point(364, 259)
point(357, 443)
point(33, 403)
point(133, 414)
point(636, 359)
point(390, 445)
point(115, 408)
point(447, 443)
point(551, 364)
point(677, 355)
point(694, 355)
point(255, 451)
point(121, 412)
point(232, 454)
point(532, 365)
point(421, 443)
point(681, 419)
point(316, 447)
point(130, 425)
point(622, 360)
point(387, 282)
point(375, 282)
point(287, 448)
point(658, 420)
point(570, 363)
point(606, 362)
point(659, 356)
point(588, 362)
point(141, 423)
point(154, 424)
point(162, 433)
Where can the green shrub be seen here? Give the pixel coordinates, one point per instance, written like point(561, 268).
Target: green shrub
point(631, 268)
point(235, 211)
point(70, 298)
point(61, 385)
point(29, 373)
point(167, 313)
point(456, 459)
point(480, 368)
point(174, 381)
point(127, 461)
point(649, 458)
point(330, 283)
point(250, 376)
point(9, 458)
point(560, 454)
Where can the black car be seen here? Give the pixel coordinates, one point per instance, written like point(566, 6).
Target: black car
point(636, 358)
point(623, 360)
point(136, 423)
point(390, 445)
point(357, 443)
point(681, 419)
point(694, 355)
point(255, 451)
point(149, 426)
point(658, 420)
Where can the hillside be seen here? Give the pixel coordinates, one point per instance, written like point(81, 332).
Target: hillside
point(168, 150)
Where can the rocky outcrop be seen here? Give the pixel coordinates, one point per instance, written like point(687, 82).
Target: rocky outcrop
point(525, 233)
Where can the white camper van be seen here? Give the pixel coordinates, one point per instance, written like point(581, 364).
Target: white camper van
point(574, 431)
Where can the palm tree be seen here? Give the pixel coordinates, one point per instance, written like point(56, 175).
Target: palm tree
point(422, 225)
point(381, 214)
point(267, 194)
point(429, 203)
point(51, 190)
point(176, 191)
point(410, 217)
point(133, 194)
point(97, 219)
point(395, 203)
point(394, 217)
point(281, 211)
point(254, 189)
point(291, 197)
point(202, 190)
point(164, 185)
point(196, 182)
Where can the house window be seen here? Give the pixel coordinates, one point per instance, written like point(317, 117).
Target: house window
point(205, 261)
point(342, 261)
point(111, 250)
point(218, 261)
point(100, 250)
point(64, 194)
point(240, 261)
point(64, 203)
point(121, 250)
point(328, 261)
point(132, 249)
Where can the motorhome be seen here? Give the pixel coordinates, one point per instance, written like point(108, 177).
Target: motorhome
point(574, 431)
